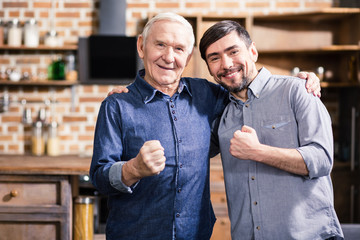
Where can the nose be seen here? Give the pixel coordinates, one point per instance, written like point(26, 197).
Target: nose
point(226, 62)
point(168, 55)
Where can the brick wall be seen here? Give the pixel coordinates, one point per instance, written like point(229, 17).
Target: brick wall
point(75, 108)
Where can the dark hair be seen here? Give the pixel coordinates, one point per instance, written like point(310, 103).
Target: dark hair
point(220, 30)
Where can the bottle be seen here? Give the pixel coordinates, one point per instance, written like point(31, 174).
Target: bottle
point(37, 139)
point(71, 73)
point(31, 33)
point(59, 69)
point(14, 33)
point(53, 142)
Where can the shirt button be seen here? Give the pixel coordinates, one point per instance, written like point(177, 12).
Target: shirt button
point(181, 165)
point(252, 178)
point(258, 227)
point(247, 105)
point(178, 215)
point(173, 112)
point(255, 203)
point(180, 141)
point(175, 119)
point(172, 106)
point(179, 190)
point(273, 127)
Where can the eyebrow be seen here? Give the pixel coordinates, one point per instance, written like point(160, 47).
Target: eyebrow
point(226, 50)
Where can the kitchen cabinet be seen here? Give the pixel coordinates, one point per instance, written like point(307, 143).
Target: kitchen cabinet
point(36, 196)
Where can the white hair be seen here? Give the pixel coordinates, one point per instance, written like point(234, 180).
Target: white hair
point(173, 17)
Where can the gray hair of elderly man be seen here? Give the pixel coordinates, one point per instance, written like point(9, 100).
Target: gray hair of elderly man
point(173, 17)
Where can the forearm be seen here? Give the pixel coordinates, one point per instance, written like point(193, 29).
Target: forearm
point(289, 160)
point(129, 174)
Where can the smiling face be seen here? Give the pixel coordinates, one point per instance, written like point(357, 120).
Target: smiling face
point(231, 63)
point(165, 55)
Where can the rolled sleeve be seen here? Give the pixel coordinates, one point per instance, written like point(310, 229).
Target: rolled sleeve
point(115, 178)
point(315, 135)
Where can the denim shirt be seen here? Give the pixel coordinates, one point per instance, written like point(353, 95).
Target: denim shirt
point(268, 203)
point(175, 203)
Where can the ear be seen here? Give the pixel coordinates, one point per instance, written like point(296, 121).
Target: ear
point(253, 52)
point(140, 46)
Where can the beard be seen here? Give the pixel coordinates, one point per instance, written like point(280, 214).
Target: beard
point(244, 83)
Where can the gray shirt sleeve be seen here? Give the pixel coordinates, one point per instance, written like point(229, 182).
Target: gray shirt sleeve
point(115, 178)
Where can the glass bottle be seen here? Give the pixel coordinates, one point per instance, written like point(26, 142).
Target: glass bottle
point(14, 33)
point(52, 145)
point(59, 69)
point(71, 73)
point(31, 33)
point(37, 139)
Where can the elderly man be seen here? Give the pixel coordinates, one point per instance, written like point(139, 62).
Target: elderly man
point(276, 145)
point(151, 147)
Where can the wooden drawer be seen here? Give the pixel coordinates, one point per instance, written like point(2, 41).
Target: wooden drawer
point(35, 207)
point(30, 230)
point(28, 193)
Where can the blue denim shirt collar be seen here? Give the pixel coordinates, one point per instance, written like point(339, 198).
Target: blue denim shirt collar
point(148, 92)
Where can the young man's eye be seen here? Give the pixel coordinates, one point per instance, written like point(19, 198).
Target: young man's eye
point(213, 59)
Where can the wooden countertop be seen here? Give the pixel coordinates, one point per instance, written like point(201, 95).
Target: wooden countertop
point(60, 165)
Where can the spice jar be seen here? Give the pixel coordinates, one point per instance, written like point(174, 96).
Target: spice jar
point(31, 33)
point(37, 139)
point(14, 33)
point(52, 145)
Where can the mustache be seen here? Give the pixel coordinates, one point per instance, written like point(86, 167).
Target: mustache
point(230, 70)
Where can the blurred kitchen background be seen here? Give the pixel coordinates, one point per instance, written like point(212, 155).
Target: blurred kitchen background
point(60, 58)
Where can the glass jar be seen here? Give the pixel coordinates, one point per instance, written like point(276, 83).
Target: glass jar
point(51, 39)
point(84, 218)
point(52, 145)
point(37, 139)
point(14, 33)
point(31, 33)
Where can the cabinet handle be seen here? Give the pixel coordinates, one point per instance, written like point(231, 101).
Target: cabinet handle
point(14, 193)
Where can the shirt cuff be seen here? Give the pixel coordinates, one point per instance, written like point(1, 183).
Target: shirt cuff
point(115, 178)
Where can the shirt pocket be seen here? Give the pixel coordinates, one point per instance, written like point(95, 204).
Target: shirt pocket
point(279, 131)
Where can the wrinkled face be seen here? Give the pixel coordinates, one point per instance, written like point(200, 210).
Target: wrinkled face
point(165, 53)
point(231, 63)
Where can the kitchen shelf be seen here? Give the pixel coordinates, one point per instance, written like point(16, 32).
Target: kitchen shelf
point(321, 50)
point(44, 83)
point(41, 47)
point(339, 84)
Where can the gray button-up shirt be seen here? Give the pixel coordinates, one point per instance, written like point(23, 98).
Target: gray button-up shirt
point(268, 203)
